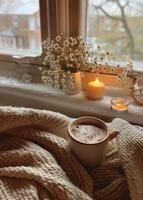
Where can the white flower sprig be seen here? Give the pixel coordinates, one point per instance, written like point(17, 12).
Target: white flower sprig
point(104, 62)
point(62, 55)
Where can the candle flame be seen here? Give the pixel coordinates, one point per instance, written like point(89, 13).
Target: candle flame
point(119, 105)
point(97, 80)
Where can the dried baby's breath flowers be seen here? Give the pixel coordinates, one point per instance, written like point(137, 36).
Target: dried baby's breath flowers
point(63, 55)
point(105, 62)
point(126, 71)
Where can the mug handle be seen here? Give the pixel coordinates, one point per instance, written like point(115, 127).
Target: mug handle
point(111, 137)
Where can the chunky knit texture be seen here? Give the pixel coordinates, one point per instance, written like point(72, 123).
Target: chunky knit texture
point(36, 162)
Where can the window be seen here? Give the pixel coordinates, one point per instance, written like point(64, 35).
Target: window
point(121, 27)
point(17, 17)
point(9, 42)
point(15, 21)
point(119, 47)
point(118, 26)
point(29, 22)
point(107, 24)
point(32, 43)
point(20, 42)
point(32, 23)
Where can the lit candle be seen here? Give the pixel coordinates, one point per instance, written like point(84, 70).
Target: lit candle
point(119, 104)
point(95, 89)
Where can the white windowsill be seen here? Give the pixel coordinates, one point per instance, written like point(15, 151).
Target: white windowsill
point(43, 97)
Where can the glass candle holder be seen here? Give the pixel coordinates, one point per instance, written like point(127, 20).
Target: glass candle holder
point(119, 104)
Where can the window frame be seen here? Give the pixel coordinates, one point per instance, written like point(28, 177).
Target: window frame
point(55, 17)
point(137, 72)
point(67, 16)
point(43, 5)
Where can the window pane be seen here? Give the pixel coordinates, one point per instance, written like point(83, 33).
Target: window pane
point(20, 27)
point(118, 27)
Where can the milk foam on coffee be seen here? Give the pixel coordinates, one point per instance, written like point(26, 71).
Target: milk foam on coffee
point(88, 134)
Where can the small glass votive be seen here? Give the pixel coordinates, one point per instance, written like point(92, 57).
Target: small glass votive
point(119, 104)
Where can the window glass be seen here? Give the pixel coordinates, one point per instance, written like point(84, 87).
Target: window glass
point(118, 27)
point(20, 27)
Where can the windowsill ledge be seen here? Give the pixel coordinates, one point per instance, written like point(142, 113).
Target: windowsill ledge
point(43, 97)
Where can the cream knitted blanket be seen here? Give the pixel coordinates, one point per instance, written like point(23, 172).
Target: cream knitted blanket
point(36, 162)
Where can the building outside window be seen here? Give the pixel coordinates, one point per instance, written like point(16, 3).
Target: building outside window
point(18, 27)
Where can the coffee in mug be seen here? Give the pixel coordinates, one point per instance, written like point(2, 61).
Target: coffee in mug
point(88, 139)
point(88, 134)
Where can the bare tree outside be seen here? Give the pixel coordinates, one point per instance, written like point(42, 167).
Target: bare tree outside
point(117, 25)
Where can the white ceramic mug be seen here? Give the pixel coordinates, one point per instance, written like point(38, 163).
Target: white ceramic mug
point(90, 154)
